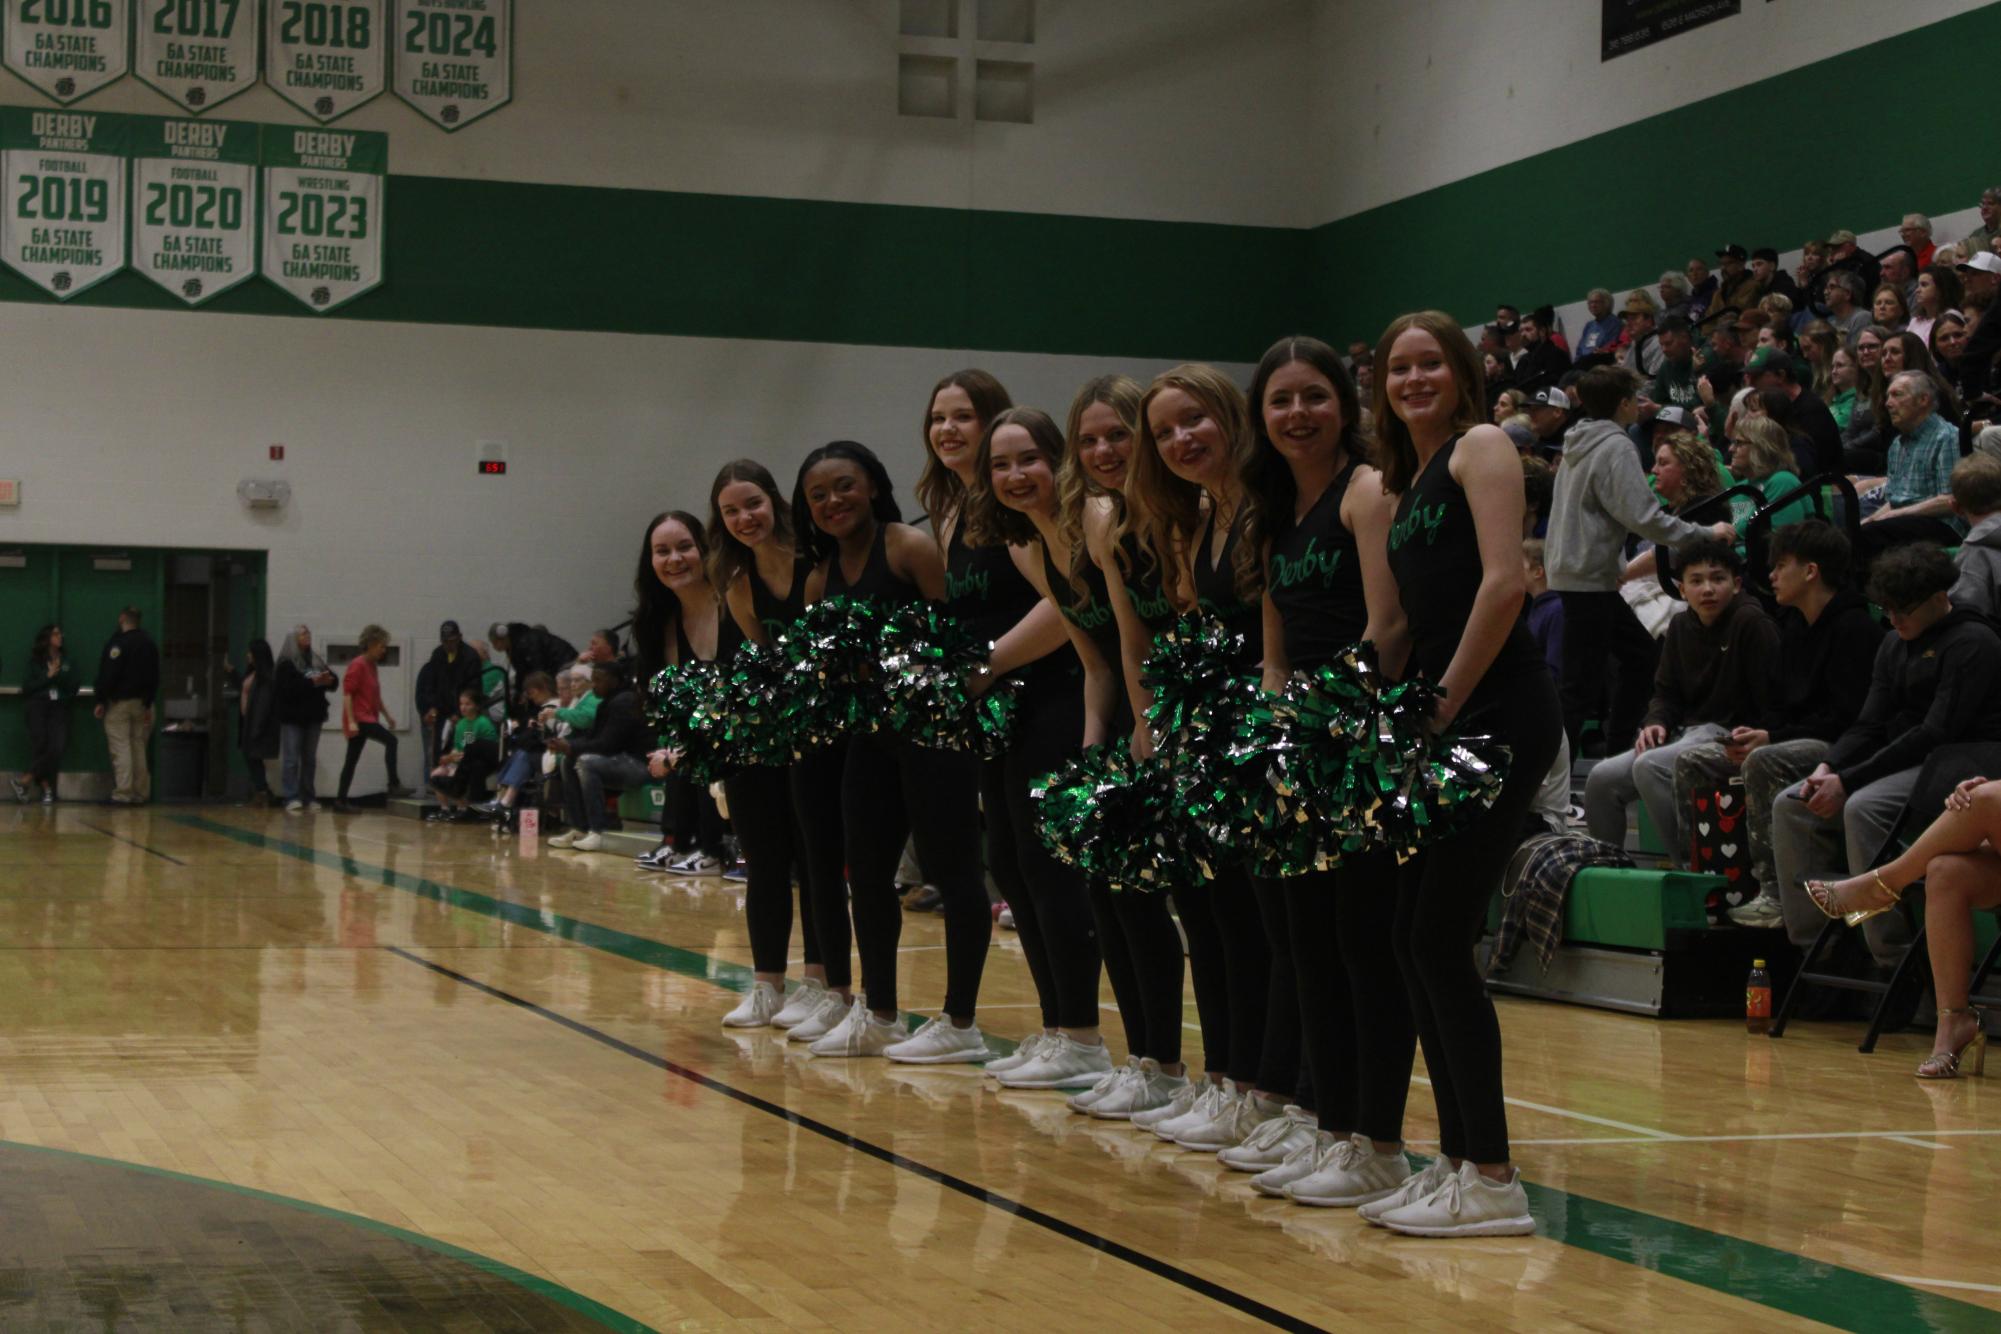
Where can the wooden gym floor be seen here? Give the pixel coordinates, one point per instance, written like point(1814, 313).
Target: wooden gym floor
point(260, 1072)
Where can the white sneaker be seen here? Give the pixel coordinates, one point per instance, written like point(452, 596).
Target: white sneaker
point(1467, 1205)
point(757, 1008)
point(565, 840)
point(939, 1043)
point(1298, 1164)
point(1351, 1174)
point(294, 807)
point(315, 806)
point(799, 1008)
point(1414, 1188)
point(1081, 1102)
point(1004, 919)
point(1027, 1050)
point(860, 1034)
point(1230, 1125)
point(1064, 1064)
point(1272, 1142)
point(1762, 913)
point(1209, 1103)
point(824, 1019)
point(1151, 1091)
point(588, 843)
point(1179, 1103)
point(695, 863)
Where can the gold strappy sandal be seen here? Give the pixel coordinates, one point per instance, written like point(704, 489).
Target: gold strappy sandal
point(1823, 899)
point(1946, 1064)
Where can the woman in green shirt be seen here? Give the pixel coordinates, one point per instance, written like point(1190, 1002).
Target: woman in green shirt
point(461, 774)
point(47, 688)
point(1761, 452)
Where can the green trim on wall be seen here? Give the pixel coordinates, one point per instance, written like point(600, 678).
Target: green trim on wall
point(1646, 196)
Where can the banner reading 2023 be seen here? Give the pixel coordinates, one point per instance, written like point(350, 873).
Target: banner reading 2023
point(323, 200)
point(194, 204)
point(63, 173)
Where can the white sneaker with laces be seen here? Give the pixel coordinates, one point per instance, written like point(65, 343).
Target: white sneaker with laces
point(1467, 1205)
point(824, 1019)
point(696, 863)
point(805, 999)
point(1761, 913)
point(1064, 1063)
point(1025, 1051)
point(1081, 1102)
point(1271, 1143)
point(1151, 1091)
point(1415, 1187)
point(1209, 1104)
point(860, 1034)
point(1180, 1103)
point(1233, 1125)
point(588, 843)
point(1351, 1175)
point(939, 1043)
point(757, 1008)
point(294, 807)
point(1299, 1163)
point(565, 840)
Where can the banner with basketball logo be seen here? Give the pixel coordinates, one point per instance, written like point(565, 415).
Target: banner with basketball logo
point(323, 198)
point(199, 53)
point(454, 58)
point(194, 204)
point(68, 48)
point(64, 177)
point(326, 57)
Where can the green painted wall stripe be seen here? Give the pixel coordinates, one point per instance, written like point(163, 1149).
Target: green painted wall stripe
point(1840, 1297)
point(1770, 163)
point(541, 1287)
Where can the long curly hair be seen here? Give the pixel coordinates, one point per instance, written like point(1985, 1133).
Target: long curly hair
point(655, 608)
point(988, 521)
point(1076, 488)
point(1166, 510)
point(815, 545)
point(939, 489)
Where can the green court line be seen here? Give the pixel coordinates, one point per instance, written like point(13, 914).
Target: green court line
point(541, 1287)
point(1782, 1280)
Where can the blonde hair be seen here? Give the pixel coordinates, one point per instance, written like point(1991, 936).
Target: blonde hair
point(1166, 509)
point(1075, 487)
point(1766, 446)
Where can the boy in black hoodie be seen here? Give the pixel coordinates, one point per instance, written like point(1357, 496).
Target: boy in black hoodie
point(1714, 675)
point(1827, 648)
point(1936, 680)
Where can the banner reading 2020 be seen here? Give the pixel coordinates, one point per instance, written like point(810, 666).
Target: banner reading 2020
point(200, 53)
point(323, 198)
point(326, 57)
point(194, 204)
point(454, 58)
point(68, 48)
point(64, 176)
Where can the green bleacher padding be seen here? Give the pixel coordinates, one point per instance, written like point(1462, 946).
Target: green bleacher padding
point(1635, 909)
point(1650, 837)
point(643, 804)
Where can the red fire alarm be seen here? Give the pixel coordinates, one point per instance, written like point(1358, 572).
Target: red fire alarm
point(277, 452)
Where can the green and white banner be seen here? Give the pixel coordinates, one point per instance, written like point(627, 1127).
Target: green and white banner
point(323, 198)
point(199, 53)
point(326, 57)
point(64, 177)
point(194, 204)
point(68, 48)
point(454, 58)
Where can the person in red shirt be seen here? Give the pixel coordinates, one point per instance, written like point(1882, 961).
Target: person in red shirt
point(362, 715)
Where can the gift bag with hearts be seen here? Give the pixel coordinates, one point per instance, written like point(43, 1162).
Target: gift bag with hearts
point(1720, 844)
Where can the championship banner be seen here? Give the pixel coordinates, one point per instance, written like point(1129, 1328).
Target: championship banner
point(199, 53)
point(194, 204)
point(64, 177)
point(1629, 25)
point(323, 192)
point(326, 57)
point(68, 48)
point(454, 58)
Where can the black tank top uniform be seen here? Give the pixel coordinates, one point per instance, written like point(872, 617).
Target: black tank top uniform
point(877, 582)
point(1091, 611)
point(988, 595)
point(1435, 556)
point(1316, 581)
point(1216, 591)
point(1144, 587)
point(776, 614)
point(728, 638)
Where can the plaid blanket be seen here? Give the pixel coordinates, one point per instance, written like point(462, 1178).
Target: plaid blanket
point(1534, 889)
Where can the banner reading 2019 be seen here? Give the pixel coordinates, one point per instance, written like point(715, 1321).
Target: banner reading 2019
point(323, 201)
point(64, 177)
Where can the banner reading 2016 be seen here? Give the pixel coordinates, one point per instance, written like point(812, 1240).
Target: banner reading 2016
point(64, 177)
point(323, 197)
point(326, 57)
point(200, 53)
point(454, 58)
point(194, 204)
point(68, 48)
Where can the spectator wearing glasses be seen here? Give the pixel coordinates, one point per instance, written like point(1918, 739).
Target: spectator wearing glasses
point(1982, 238)
point(1916, 231)
point(1643, 354)
point(1603, 332)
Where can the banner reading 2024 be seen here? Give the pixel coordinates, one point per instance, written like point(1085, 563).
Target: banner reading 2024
point(323, 200)
point(454, 58)
point(63, 173)
point(194, 204)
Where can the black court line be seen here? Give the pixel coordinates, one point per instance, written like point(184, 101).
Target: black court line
point(134, 842)
point(1216, 1292)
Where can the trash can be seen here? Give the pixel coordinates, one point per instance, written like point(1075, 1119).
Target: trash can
point(181, 765)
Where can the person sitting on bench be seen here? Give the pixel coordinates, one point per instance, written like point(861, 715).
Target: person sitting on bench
point(612, 754)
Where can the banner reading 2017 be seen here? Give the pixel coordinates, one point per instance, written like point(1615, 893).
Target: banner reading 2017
point(194, 204)
point(63, 173)
point(326, 57)
point(200, 53)
point(454, 58)
point(323, 199)
point(68, 48)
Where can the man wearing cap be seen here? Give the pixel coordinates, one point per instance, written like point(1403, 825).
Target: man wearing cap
point(1981, 239)
point(1603, 331)
point(1771, 368)
point(1843, 256)
point(1643, 353)
point(1981, 273)
point(1735, 285)
point(1549, 417)
point(452, 667)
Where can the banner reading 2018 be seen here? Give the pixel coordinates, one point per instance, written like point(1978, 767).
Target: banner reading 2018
point(194, 204)
point(326, 57)
point(63, 173)
point(454, 58)
point(323, 199)
point(200, 53)
point(68, 48)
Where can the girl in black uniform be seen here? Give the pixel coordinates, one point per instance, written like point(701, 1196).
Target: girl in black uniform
point(892, 789)
point(1195, 444)
point(1455, 548)
point(763, 579)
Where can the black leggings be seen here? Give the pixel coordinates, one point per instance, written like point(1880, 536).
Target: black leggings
point(1442, 897)
point(1052, 907)
point(363, 734)
point(768, 835)
point(1209, 970)
point(1143, 963)
point(1246, 977)
point(481, 758)
point(1325, 1008)
point(48, 733)
point(689, 818)
point(1383, 1042)
point(892, 790)
point(1278, 1053)
point(823, 875)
